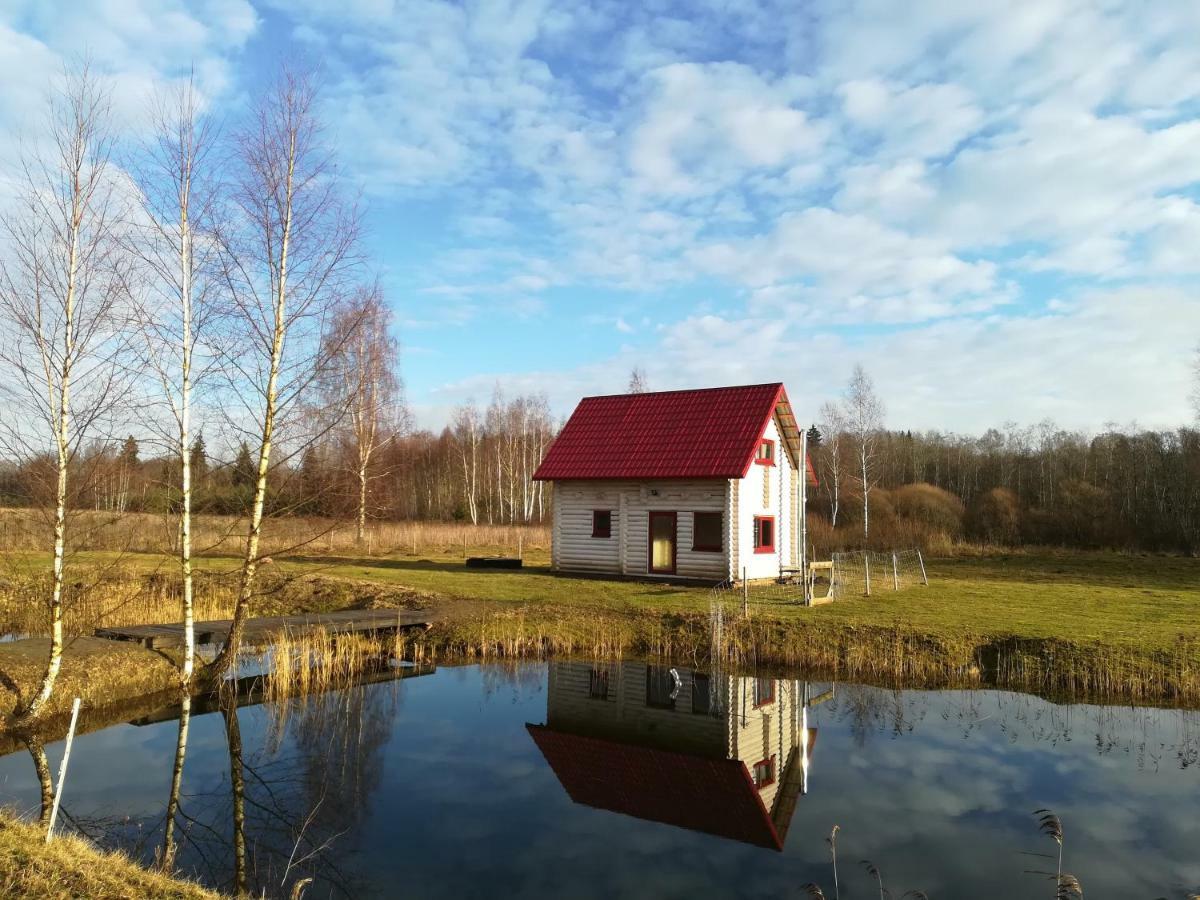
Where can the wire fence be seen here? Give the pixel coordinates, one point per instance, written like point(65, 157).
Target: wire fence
point(860, 573)
point(867, 572)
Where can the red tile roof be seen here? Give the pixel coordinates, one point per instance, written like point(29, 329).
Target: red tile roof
point(709, 433)
point(715, 796)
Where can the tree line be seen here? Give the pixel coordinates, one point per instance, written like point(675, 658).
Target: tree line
point(1041, 484)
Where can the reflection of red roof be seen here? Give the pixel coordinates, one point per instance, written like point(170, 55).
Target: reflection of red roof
point(710, 433)
point(715, 796)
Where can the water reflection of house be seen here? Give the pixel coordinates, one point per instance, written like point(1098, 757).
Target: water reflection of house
point(718, 754)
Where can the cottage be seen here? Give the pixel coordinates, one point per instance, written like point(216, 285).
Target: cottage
point(698, 484)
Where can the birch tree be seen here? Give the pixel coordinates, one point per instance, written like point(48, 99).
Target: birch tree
point(175, 246)
point(833, 425)
point(287, 255)
point(63, 303)
point(863, 412)
point(1196, 385)
point(467, 428)
point(362, 386)
point(637, 381)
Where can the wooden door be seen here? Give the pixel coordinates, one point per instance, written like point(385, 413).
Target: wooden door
point(662, 543)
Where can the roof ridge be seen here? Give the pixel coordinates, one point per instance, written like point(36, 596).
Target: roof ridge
point(705, 390)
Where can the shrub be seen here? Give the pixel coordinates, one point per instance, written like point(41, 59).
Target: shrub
point(930, 506)
point(995, 517)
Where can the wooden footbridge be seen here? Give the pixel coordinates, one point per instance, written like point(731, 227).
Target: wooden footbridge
point(258, 630)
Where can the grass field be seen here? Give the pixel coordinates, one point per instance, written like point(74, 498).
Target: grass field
point(1104, 623)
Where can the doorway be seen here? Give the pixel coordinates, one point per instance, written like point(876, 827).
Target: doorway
point(662, 543)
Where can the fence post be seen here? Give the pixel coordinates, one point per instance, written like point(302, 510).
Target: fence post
point(867, 570)
point(745, 594)
point(924, 577)
point(895, 575)
point(62, 770)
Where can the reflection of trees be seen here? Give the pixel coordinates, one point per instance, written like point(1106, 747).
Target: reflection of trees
point(185, 718)
point(291, 805)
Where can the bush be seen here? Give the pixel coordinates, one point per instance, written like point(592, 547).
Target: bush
point(995, 517)
point(929, 505)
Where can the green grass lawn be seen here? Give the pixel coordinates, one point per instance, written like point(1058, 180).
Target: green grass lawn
point(1145, 600)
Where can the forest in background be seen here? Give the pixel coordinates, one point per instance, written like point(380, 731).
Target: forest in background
point(1011, 486)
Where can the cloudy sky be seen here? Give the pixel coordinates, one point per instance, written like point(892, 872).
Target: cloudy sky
point(995, 208)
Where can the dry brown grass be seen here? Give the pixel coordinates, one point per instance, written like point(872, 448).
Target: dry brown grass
point(27, 530)
point(70, 867)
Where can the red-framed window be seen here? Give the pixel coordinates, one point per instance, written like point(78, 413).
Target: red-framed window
point(763, 772)
point(764, 692)
point(601, 523)
point(708, 531)
point(765, 455)
point(764, 534)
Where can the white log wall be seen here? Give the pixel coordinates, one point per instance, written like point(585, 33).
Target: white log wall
point(575, 550)
point(780, 504)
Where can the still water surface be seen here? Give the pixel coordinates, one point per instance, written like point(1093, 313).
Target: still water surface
point(572, 780)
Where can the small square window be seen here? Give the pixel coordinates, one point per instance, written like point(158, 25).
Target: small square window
point(764, 534)
point(764, 772)
point(702, 694)
point(766, 452)
point(707, 531)
point(601, 523)
point(598, 684)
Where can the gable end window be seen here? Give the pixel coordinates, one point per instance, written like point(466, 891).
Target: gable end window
point(708, 529)
point(764, 534)
point(765, 456)
point(601, 523)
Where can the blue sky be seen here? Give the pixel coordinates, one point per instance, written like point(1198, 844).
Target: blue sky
point(992, 208)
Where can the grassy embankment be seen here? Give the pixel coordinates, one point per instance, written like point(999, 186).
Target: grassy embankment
point(71, 867)
point(1101, 624)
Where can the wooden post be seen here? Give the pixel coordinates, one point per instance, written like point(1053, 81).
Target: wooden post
point(924, 577)
point(867, 570)
point(62, 770)
point(895, 575)
point(745, 594)
point(520, 546)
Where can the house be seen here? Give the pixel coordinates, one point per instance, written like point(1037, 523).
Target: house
point(698, 484)
point(725, 755)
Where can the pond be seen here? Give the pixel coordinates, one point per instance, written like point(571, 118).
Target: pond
point(630, 779)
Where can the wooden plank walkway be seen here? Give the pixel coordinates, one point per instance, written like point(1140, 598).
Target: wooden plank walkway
point(258, 630)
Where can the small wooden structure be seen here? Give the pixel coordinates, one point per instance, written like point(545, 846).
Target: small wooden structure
point(258, 630)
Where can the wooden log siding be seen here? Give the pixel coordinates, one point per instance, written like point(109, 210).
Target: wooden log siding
point(575, 550)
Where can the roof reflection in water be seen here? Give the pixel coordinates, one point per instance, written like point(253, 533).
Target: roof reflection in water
point(726, 755)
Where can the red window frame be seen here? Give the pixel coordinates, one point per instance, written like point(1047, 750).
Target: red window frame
point(758, 546)
point(765, 460)
point(769, 762)
point(597, 531)
point(710, 548)
point(760, 700)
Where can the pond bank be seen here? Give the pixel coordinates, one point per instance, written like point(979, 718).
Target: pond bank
point(72, 867)
point(1064, 625)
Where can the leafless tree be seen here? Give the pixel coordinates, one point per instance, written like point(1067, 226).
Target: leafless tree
point(288, 253)
point(1196, 384)
point(173, 239)
point(64, 307)
point(361, 384)
point(864, 413)
point(833, 425)
point(637, 381)
point(467, 429)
